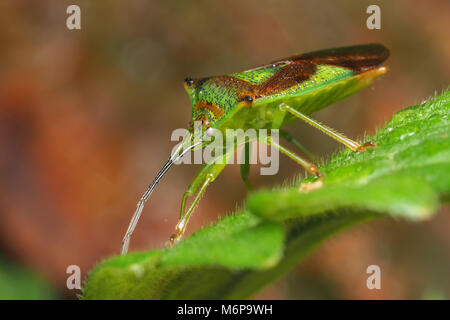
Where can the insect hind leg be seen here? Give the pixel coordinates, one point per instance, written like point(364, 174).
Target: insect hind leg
point(286, 135)
point(353, 145)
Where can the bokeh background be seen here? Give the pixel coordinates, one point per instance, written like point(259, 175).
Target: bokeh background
point(86, 116)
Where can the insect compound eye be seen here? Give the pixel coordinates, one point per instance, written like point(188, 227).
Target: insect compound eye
point(210, 132)
point(189, 81)
point(247, 99)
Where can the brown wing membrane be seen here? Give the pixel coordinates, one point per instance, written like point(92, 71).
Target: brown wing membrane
point(288, 76)
point(358, 58)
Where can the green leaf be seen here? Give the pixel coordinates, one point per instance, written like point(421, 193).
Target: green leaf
point(398, 195)
point(406, 176)
point(208, 257)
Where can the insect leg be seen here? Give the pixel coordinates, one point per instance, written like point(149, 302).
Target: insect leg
point(311, 168)
point(195, 185)
point(329, 131)
point(207, 174)
point(245, 166)
point(286, 135)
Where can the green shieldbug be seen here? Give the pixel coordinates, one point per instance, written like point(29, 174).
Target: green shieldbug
point(269, 97)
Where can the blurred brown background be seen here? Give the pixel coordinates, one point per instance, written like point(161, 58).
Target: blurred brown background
point(86, 116)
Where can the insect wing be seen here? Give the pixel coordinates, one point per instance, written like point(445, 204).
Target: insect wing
point(357, 58)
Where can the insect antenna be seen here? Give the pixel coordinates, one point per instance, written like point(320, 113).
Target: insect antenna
point(173, 158)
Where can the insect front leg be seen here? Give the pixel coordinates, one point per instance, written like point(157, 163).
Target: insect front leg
point(206, 175)
point(311, 168)
point(329, 131)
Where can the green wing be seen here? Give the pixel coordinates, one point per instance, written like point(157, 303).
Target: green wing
point(327, 75)
point(307, 82)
